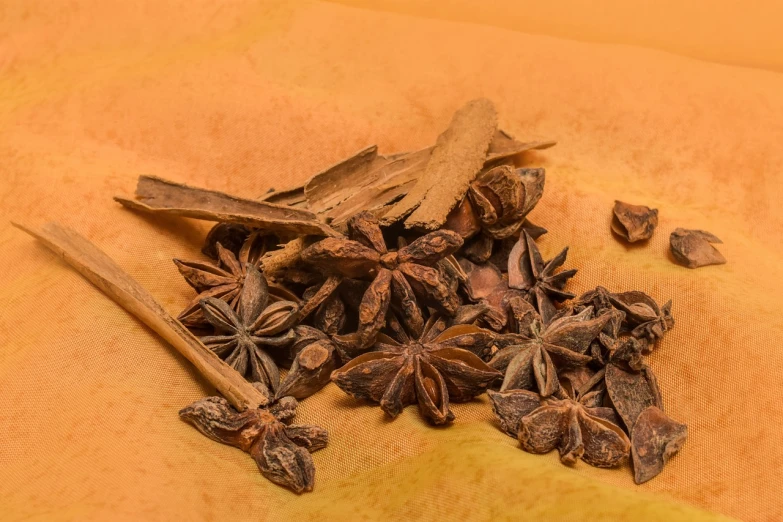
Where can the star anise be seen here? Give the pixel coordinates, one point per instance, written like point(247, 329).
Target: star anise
point(495, 207)
point(693, 248)
point(398, 278)
point(579, 428)
point(643, 316)
point(281, 451)
point(223, 280)
point(527, 271)
point(534, 357)
point(439, 367)
point(241, 336)
point(486, 285)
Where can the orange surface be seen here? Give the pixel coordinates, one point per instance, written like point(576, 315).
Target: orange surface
point(244, 96)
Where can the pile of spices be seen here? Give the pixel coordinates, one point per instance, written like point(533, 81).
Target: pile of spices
point(413, 278)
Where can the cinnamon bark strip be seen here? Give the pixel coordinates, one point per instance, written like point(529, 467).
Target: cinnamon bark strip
point(100, 270)
point(156, 195)
point(370, 181)
point(457, 158)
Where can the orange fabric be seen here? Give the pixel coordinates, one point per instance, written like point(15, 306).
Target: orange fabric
point(242, 97)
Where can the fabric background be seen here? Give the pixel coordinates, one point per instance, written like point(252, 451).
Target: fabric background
point(244, 96)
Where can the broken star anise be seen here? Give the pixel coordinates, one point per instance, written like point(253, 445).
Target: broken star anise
point(398, 278)
point(439, 367)
point(579, 428)
point(495, 207)
point(528, 271)
point(242, 336)
point(693, 248)
point(634, 222)
point(281, 451)
point(534, 357)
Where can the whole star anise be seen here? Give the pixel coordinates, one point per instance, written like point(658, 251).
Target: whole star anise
point(399, 278)
point(439, 367)
point(579, 428)
point(223, 280)
point(528, 271)
point(241, 336)
point(281, 451)
point(534, 357)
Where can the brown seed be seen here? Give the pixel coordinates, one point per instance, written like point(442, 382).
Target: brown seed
point(692, 248)
point(634, 222)
point(654, 440)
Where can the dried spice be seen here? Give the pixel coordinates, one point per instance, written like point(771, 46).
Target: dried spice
point(368, 181)
point(99, 269)
point(230, 235)
point(486, 284)
point(315, 359)
point(458, 156)
point(156, 195)
point(578, 429)
point(439, 367)
point(528, 271)
point(463, 283)
point(401, 276)
point(634, 222)
point(654, 440)
point(495, 207)
point(222, 281)
point(643, 316)
point(282, 451)
point(533, 363)
point(242, 337)
point(631, 391)
point(692, 248)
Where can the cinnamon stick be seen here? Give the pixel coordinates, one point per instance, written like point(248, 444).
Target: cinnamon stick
point(100, 270)
point(156, 195)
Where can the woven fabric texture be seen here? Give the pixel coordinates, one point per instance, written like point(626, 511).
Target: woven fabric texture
point(246, 96)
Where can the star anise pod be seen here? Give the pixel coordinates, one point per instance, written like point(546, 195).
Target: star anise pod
point(645, 319)
point(579, 428)
point(399, 278)
point(242, 336)
point(314, 360)
point(634, 222)
point(528, 271)
point(535, 356)
point(439, 367)
point(230, 235)
point(281, 451)
point(495, 207)
point(486, 285)
point(223, 280)
point(693, 248)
